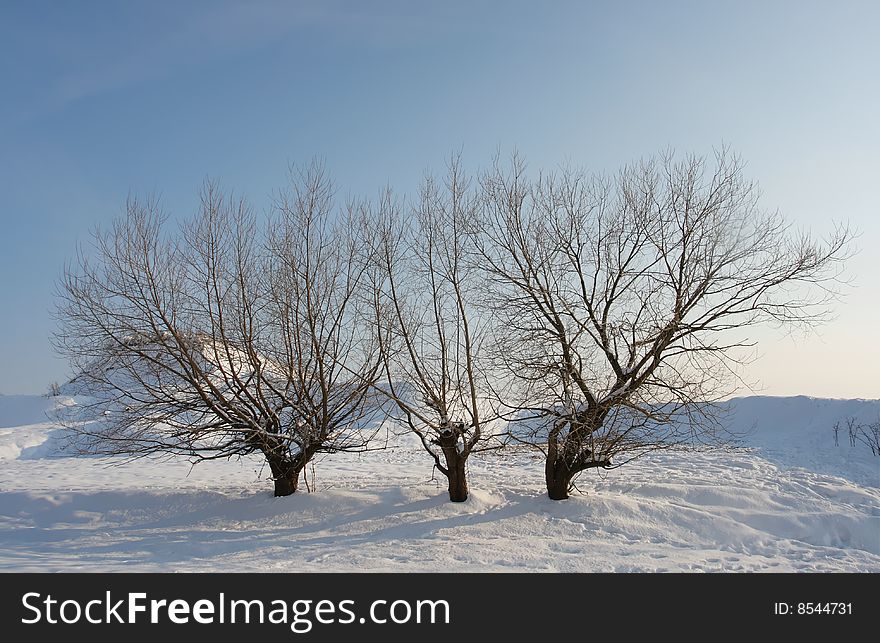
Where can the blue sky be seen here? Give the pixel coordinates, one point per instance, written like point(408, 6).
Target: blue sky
point(100, 99)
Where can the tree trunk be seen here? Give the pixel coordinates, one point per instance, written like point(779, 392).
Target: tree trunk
point(557, 472)
point(558, 478)
point(458, 486)
point(285, 474)
point(286, 485)
point(455, 466)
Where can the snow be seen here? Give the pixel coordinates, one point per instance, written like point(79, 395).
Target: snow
point(786, 500)
point(25, 425)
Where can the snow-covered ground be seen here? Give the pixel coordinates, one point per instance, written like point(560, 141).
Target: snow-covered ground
point(787, 501)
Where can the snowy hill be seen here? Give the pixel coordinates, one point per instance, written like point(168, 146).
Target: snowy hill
point(26, 426)
point(798, 432)
point(788, 499)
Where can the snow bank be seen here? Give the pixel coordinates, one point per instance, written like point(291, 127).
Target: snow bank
point(798, 432)
point(27, 430)
point(788, 501)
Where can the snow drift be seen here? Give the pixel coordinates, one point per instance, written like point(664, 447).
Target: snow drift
point(785, 499)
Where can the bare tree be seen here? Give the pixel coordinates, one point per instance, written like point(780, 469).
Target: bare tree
point(869, 435)
point(425, 293)
point(623, 301)
point(866, 433)
point(224, 339)
point(852, 430)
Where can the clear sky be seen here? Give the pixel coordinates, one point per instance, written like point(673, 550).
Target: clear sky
point(99, 99)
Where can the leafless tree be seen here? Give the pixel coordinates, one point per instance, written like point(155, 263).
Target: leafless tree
point(623, 301)
point(866, 433)
point(852, 430)
point(869, 435)
point(425, 302)
point(224, 337)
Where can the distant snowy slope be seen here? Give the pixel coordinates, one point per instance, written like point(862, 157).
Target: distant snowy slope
point(27, 426)
point(798, 432)
point(791, 431)
point(778, 422)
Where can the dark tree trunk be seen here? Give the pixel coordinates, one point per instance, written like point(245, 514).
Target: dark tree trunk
point(286, 485)
point(285, 473)
point(561, 467)
point(557, 470)
point(558, 478)
point(458, 486)
point(455, 466)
